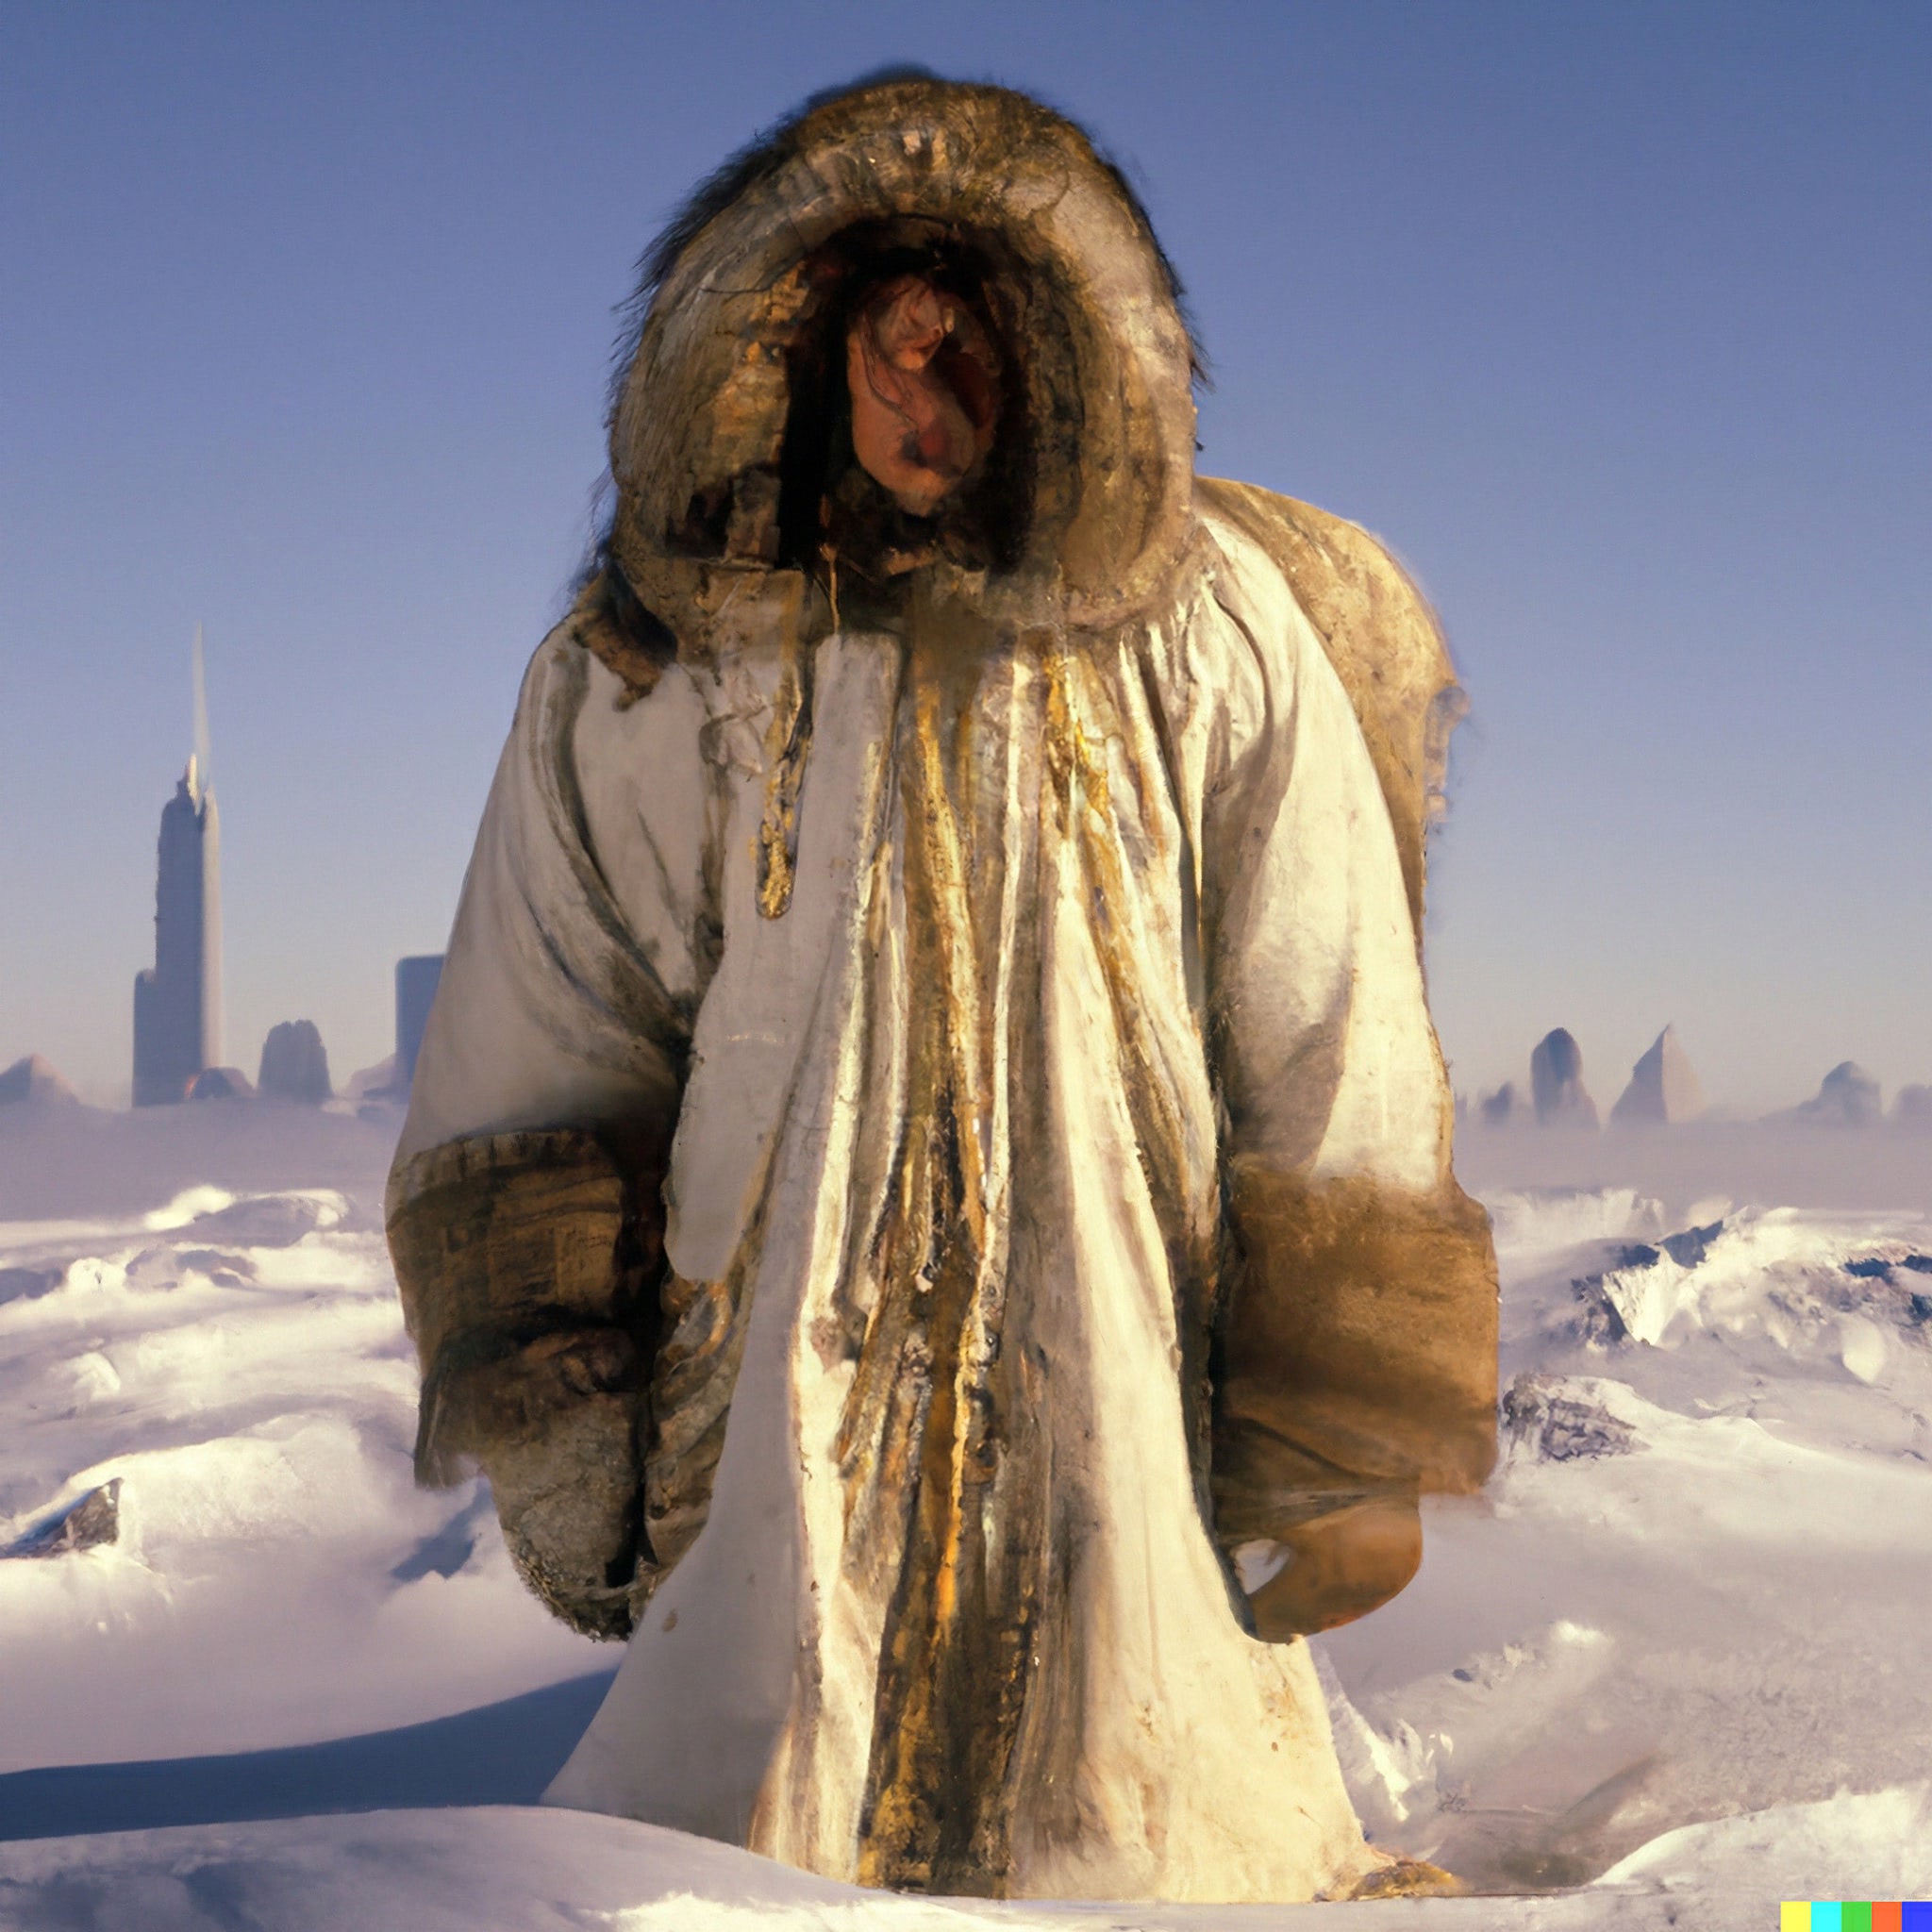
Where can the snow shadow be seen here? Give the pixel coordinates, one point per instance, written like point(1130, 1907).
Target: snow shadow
point(499, 1754)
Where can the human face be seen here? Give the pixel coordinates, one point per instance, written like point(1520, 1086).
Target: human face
point(925, 394)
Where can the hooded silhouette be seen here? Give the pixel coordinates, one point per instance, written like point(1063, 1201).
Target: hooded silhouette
point(927, 1184)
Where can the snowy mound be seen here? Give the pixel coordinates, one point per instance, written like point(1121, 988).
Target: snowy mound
point(1694, 1587)
point(519, 1871)
point(1671, 1661)
point(231, 1371)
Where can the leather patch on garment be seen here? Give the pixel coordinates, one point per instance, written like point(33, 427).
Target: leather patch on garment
point(1357, 1354)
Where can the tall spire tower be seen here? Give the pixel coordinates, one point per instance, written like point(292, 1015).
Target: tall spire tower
point(177, 1002)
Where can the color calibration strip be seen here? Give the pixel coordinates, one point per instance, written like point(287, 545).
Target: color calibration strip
point(1865, 1915)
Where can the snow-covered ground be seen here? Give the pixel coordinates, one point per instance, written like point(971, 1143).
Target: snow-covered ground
point(1674, 1663)
point(229, 1350)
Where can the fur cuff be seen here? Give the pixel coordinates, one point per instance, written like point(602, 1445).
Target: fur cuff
point(1357, 1354)
point(528, 1267)
point(500, 1241)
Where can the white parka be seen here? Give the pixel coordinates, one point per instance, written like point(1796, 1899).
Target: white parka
point(1022, 995)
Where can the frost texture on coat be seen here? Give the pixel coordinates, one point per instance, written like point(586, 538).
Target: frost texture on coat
point(1057, 1199)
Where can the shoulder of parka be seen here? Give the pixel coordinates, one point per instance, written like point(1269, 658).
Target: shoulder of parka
point(637, 655)
point(1383, 640)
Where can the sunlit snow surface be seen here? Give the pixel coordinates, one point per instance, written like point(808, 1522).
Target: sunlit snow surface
point(236, 1358)
point(1672, 1664)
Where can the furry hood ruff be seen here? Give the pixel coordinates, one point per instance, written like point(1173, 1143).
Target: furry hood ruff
point(1089, 305)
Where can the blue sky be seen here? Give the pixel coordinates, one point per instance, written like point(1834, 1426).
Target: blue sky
point(1614, 319)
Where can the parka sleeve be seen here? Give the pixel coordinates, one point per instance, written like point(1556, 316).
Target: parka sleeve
point(525, 1205)
point(1356, 1354)
point(526, 1200)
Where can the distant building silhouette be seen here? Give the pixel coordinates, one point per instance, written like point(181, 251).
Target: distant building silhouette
point(38, 1082)
point(1555, 1081)
point(1663, 1090)
point(222, 1083)
point(1849, 1096)
point(416, 983)
point(177, 1002)
point(294, 1064)
point(1499, 1108)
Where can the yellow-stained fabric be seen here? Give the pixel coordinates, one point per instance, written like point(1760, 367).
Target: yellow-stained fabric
point(1118, 1021)
point(1059, 1199)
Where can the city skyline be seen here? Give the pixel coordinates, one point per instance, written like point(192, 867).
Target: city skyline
point(1597, 314)
point(178, 1000)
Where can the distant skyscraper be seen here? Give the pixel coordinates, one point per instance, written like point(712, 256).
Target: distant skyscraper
point(416, 983)
point(177, 1002)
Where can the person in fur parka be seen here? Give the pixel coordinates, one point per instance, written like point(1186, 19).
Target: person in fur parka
point(928, 1185)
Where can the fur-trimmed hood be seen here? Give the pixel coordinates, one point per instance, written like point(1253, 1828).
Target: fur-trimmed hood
point(1101, 363)
point(1101, 369)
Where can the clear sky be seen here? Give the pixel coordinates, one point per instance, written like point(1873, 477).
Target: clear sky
point(1616, 319)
